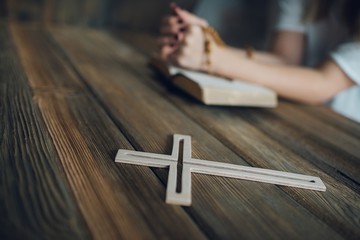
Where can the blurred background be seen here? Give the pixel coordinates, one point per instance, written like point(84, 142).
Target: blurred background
point(240, 22)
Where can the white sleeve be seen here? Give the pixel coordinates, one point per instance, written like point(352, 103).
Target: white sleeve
point(347, 56)
point(290, 15)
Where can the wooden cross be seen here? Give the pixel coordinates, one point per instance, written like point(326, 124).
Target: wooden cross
point(180, 160)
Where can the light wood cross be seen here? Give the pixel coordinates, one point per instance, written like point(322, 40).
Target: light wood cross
point(180, 160)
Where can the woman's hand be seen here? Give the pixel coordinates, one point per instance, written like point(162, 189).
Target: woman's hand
point(173, 30)
point(190, 51)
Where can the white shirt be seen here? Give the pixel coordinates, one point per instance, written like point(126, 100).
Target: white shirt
point(327, 38)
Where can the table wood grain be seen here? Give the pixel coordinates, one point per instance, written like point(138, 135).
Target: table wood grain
point(70, 97)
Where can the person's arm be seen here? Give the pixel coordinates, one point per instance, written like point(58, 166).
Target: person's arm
point(307, 85)
point(287, 48)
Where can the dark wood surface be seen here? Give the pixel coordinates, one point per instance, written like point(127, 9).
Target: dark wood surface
point(128, 14)
point(70, 97)
point(146, 15)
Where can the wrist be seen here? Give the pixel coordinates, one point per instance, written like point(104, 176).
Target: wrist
point(212, 43)
point(217, 61)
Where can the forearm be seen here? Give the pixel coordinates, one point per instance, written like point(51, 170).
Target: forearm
point(258, 56)
point(300, 84)
point(297, 83)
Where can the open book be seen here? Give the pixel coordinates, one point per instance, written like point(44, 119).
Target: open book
point(214, 90)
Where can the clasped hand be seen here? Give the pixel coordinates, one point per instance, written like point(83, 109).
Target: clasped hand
point(182, 39)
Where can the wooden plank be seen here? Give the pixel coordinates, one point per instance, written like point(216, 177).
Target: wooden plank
point(326, 115)
point(149, 120)
point(328, 134)
point(114, 203)
point(331, 149)
point(332, 207)
point(35, 199)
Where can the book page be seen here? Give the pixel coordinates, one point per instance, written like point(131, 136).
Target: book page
point(211, 81)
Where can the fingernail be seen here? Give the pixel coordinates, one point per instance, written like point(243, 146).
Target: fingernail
point(176, 36)
point(172, 45)
point(180, 21)
point(182, 29)
point(174, 6)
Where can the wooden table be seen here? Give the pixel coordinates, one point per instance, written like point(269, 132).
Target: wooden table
point(71, 97)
